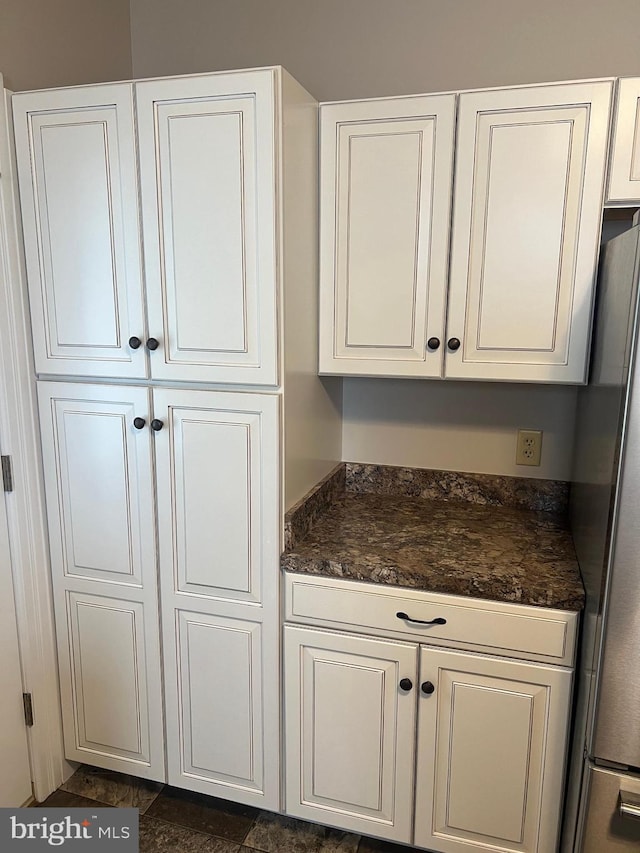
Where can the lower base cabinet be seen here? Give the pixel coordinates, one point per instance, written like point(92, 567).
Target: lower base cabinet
point(485, 737)
point(491, 743)
point(349, 731)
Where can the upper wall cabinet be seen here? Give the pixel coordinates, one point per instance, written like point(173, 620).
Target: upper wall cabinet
point(386, 195)
point(78, 189)
point(529, 174)
point(528, 198)
point(207, 168)
point(624, 169)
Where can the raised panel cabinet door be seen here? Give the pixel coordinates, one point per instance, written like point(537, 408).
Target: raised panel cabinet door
point(349, 731)
point(624, 166)
point(492, 737)
point(98, 481)
point(79, 196)
point(208, 186)
point(217, 742)
point(218, 508)
point(218, 494)
point(530, 169)
point(386, 173)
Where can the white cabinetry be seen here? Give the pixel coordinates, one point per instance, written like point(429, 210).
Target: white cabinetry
point(78, 191)
point(529, 174)
point(208, 190)
point(490, 739)
point(174, 494)
point(99, 488)
point(218, 532)
point(491, 747)
point(207, 164)
point(386, 200)
point(349, 731)
point(624, 166)
point(530, 168)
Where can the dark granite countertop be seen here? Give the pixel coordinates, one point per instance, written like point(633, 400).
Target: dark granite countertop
point(492, 552)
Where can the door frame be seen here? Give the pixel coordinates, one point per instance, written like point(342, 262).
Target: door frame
point(20, 438)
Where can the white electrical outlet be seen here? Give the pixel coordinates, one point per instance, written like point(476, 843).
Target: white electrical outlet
point(529, 447)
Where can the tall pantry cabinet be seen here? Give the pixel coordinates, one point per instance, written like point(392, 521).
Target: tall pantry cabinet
point(170, 229)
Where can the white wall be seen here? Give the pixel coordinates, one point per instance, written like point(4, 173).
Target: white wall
point(365, 48)
point(63, 42)
point(457, 426)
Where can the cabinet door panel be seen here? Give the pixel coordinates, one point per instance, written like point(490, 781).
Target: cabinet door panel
point(107, 651)
point(350, 731)
point(98, 473)
point(218, 476)
point(386, 185)
point(330, 774)
point(221, 727)
point(78, 185)
point(624, 171)
point(527, 209)
point(98, 481)
point(208, 453)
point(497, 729)
point(208, 184)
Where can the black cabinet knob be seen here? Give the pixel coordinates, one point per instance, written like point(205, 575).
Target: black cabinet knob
point(156, 425)
point(152, 344)
point(433, 343)
point(134, 342)
point(453, 344)
point(427, 687)
point(406, 684)
point(139, 423)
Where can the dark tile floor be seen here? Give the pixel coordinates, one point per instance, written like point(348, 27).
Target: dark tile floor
point(185, 822)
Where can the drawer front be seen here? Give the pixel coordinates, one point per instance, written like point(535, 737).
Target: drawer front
point(508, 629)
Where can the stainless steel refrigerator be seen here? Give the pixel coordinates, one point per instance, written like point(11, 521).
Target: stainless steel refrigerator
point(602, 811)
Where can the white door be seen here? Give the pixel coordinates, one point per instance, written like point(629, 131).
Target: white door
point(96, 444)
point(530, 169)
point(492, 738)
point(78, 190)
point(208, 184)
point(386, 172)
point(624, 168)
point(218, 493)
point(350, 705)
point(15, 775)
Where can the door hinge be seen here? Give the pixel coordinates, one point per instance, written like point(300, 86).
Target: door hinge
point(7, 474)
point(28, 709)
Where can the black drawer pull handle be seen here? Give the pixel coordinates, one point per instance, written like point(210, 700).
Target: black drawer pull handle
point(427, 688)
point(438, 621)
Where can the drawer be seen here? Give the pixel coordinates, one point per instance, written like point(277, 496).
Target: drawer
point(514, 630)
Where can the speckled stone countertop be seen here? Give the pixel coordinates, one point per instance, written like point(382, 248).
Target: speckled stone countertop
point(461, 548)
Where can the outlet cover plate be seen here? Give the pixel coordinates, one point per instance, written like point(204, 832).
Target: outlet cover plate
point(529, 447)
